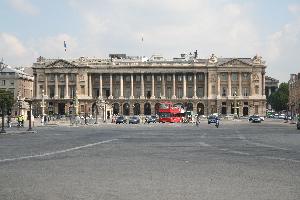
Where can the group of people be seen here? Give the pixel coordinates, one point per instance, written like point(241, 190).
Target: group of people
point(20, 119)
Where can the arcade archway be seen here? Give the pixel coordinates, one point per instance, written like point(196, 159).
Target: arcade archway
point(147, 109)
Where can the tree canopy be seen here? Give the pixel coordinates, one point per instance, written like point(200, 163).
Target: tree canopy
point(280, 98)
point(6, 100)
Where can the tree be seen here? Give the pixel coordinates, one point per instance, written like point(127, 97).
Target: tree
point(280, 98)
point(6, 103)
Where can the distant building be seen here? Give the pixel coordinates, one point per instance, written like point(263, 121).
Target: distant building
point(135, 86)
point(271, 87)
point(20, 84)
point(294, 94)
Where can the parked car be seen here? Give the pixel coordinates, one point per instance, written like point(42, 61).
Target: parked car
point(212, 119)
point(121, 120)
point(134, 120)
point(298, 125)
point(151, 119)
point(282, 116)
point(255, 119)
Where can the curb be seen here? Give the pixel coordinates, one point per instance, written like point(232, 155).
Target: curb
point(18, 132)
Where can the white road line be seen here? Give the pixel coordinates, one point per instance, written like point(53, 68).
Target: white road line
point(204, 144)
point(267, 146)
point(57, 152)
point(281, 159)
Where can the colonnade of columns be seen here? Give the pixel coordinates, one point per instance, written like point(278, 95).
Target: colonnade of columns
point(207, 85)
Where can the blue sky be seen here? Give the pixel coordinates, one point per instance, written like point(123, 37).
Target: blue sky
point(95, 28)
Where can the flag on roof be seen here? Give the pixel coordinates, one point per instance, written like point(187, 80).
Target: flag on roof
point(65, 45)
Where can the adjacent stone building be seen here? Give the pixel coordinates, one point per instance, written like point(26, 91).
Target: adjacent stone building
point(20, 84)
point(294, 94)
point(136, 86)
point(271, 87)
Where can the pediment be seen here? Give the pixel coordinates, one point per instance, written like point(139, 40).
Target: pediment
point(235, 62)
point(61, 64)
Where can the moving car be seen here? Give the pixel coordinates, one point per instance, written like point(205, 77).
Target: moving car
point(255, 119)
point(121, 120)
point(150, 119)
point(212, 119)
point(134, 120)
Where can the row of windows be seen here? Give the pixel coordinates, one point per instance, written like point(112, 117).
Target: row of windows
point(4, 82)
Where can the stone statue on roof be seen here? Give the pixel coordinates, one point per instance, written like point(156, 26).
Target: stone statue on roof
point(213, 59)
point(257, 59)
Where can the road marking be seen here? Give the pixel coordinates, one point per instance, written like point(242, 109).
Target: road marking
point(266, 145)
point(281, 159)
point(56, 152)
point(204, 144)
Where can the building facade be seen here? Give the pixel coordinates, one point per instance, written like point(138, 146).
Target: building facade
point(271, 87)
point(20, 84)
point(294, 94)
point(133, 86)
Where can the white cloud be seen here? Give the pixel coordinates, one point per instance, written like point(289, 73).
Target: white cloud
point(11, 45)
point(24, 6)
point(294, 9)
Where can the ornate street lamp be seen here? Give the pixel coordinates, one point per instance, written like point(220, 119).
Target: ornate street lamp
point(43, 107)
point(235, 108)
point(30, 108)
point(85, 114)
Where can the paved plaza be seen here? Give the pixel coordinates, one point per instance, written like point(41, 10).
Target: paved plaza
point(239, 160)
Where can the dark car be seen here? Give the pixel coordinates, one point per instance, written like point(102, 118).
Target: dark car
point(255, 119)
point(298, 125)
point(212, 119)
point(150, 119)
point(121, 120)
point(134, 120)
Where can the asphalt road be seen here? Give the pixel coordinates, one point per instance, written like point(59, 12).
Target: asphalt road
point(157, 161)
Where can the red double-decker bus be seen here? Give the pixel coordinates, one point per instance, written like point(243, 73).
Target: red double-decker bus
point(169, 113)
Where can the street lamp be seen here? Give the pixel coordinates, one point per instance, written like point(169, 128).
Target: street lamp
point(85, 114)
point(235, 108)
point(30, 106)
point(2, 114)
point(43, 107)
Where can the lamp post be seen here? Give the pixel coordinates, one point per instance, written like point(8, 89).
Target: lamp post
point(235, 108)
point(43, 107)
point(97, 104)
point(2, 115)
point(85, 114)
point(30, 106)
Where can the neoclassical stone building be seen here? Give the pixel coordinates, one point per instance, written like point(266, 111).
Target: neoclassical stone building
point(294, 94)
point(133, 85)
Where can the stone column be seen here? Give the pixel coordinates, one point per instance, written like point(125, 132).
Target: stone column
point(208, 85)
point(240, 84)
point(56, 87)
point(100, 86)
point(46, 85)
point(184, 86)
point(229, 83)
point(37, 88)
point(163, 86)
point(110, 87)
point(67, 86)
point(90, 85)
point(174, 87)
point(131, 87)
point(121, 87)
point(263, 83)
point(195, 86)
point(152, 90)
point(142, 87)
point(218, 85)
point(205, 85)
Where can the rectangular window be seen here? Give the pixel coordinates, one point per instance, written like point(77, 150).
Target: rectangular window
point(51, 92)
point(127, 78)
point(62, 92)
point(201, 77)
point(3, 82)
point(52, 77)
point(137, 91)
point(82, 108)
point(12, 82)
point(72, 77)
point(169, 78)
point(223, 77)
point(179, 92)
point(117, 78)
point(138, 78)
point(179, 78)
point(116, 92)
point(224, 91)
point(190, 92)
point(158, 91)
point(234, 77)
point(234, 91)
point(190, 78)
point(200, 92)
point(127, 92)
point(245, 92)
point(148, 78)
point(158, 78)
point(169, 92)
point(246, 76)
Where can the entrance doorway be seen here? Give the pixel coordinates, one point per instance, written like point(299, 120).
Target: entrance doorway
point(200, 109)
point(147, 109)
point(61, 108)
point(126, 109)
point(136, 109)
point(245, 111)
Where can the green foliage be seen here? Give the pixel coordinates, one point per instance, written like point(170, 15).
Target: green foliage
point(6, 100)
point(280, 98)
